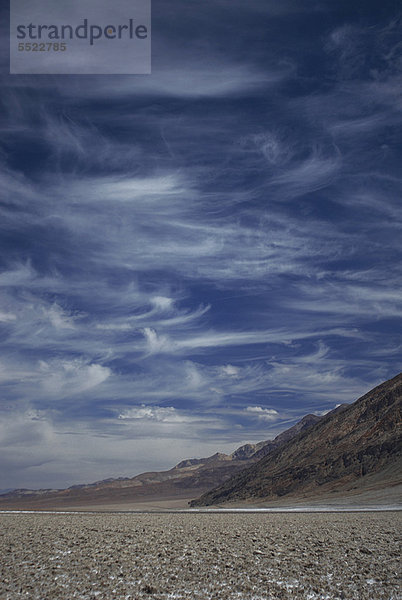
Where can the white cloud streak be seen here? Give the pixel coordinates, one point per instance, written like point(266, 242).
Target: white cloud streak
point(263, 414)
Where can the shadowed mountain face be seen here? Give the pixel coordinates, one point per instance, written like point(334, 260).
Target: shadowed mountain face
point(188, 479)
point(355, 447)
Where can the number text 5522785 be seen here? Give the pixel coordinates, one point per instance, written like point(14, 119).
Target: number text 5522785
point(42, 47)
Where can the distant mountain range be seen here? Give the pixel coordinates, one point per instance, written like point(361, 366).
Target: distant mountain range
point(188, 479)
point(354, 449)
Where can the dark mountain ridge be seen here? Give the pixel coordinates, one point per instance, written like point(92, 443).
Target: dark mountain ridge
point(188, 479)
point(349, 447)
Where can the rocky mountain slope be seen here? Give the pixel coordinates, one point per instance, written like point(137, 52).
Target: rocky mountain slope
point(188, 479)
point(356, 447)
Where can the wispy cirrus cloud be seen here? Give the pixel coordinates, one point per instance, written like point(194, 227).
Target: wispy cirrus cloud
point(209, 252)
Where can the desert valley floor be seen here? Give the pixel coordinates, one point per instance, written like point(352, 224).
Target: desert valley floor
point(200, 556)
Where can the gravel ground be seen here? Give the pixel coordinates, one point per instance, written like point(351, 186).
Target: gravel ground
point(200, 556)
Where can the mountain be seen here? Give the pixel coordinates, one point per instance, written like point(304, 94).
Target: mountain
point(188, 479)
point(287, 435)
point(355, 448)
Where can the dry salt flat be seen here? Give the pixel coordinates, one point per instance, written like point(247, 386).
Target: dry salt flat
point(213, 556)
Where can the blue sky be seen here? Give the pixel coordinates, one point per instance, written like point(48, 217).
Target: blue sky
point(195, 259)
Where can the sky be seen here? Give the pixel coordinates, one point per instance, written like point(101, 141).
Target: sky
point(195, 259)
